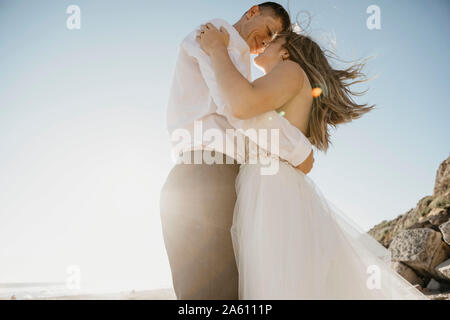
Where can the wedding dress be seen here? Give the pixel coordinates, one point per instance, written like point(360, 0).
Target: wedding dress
point(290, 242)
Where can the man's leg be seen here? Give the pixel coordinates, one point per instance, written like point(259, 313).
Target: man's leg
point(197, 203)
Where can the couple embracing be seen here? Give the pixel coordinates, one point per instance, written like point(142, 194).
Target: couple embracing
point(232, 231)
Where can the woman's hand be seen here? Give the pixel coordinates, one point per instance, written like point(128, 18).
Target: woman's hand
point(211, 39)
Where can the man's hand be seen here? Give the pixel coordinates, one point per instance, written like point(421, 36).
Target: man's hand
point(307, 165)
point(211, 39)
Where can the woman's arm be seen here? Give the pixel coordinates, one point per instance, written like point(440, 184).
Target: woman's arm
point(246, 99)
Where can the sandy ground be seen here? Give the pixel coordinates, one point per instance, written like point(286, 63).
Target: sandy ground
point(160, 294)
point(166, 294)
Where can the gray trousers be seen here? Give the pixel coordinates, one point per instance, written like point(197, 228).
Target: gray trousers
point(197, 203)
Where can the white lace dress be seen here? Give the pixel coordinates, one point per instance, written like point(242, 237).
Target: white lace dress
point(291, 243)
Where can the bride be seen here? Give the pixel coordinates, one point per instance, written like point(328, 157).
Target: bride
point(289, 241)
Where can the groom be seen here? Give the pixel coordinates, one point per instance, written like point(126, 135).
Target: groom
point(197, 200)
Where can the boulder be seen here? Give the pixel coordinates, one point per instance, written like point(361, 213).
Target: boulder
point(407, 273)
point(443, 270)
point(420, 249)
point(435, 217)
point(445, 230)
point(433, 285)
point(438, 216)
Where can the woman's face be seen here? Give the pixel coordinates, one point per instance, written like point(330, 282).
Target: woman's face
point(272, 55)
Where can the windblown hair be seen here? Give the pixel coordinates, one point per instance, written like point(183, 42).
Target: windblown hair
point(335, 104)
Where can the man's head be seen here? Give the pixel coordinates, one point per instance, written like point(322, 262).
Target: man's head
point(261, 23)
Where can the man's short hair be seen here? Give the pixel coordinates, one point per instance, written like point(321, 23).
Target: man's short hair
point(279, 12)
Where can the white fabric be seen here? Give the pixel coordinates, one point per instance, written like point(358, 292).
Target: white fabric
point(195, 96)
point(291, 243)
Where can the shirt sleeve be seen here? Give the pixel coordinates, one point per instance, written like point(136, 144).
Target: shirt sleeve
point(292, 146)
point(193, 49)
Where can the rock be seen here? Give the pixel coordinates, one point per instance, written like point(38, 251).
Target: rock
point(440, 201)
point(442, 182)
point(435, 217)
point(433, 285)
point(412, 216)
point(420, 249)
point(420, 216)
point(445, 230)
point(439, 296)
point(438, 216)
point(443, 270)
point(384, 231)
point(419, 240)
point(407, 273)
point(445, 286)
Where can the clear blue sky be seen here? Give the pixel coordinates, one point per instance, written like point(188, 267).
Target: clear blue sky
point(84, 148)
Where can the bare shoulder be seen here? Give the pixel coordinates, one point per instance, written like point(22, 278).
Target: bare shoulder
point(291, 72)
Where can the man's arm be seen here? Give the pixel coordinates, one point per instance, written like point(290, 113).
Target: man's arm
point(294, 147)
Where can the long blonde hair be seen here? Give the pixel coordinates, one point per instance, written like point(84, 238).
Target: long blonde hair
point(335, 104)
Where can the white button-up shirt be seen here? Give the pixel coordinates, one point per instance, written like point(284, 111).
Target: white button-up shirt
point(199, 118)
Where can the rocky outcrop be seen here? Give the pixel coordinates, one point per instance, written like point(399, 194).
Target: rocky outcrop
point(408, 273)
point(421, 249)
point(441, 185)
point(430, 211)
point(445, 229)
point(443, 269)
point(384, 231)
point(419, 239)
